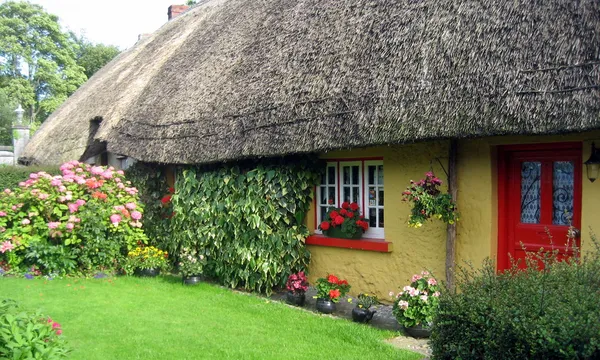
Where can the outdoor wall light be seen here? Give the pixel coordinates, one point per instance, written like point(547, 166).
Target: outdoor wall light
point(592, 165)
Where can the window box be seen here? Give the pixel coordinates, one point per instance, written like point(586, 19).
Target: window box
point(377, 245)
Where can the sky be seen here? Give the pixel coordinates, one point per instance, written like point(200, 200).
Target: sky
point(111, 22)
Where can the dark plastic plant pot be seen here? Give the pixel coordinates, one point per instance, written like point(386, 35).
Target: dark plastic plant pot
point(336, 232)
point(418, 331)
point(296, 299)
point(192, 280)
point(152, 272)
point(362, 315)
point(325, 306)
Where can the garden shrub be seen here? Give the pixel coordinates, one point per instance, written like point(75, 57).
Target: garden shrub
point(247, 221)
point(85, 219)
point(522, 314)
point(11, 176)
point(25, 335)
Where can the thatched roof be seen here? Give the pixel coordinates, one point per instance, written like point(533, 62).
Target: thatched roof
point(233, 79)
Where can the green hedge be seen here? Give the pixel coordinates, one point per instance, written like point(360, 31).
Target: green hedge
point(246, 219)
point(522, 314)
point(11, 176)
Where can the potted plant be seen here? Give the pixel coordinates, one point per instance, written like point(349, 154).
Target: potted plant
point(345, 222)
point(362, 313)
point(191, 264)
point(297, 284)
point(429, 202)
point(329, 292)
point(145, 261)
point(415, 304)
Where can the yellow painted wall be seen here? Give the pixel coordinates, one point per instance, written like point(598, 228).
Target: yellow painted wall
point(424, 248)
point(413, 249)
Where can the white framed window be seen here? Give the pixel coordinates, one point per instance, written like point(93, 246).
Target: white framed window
point(359, 181)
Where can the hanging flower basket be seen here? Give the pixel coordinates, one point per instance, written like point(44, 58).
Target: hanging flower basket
point(345, 222)
point(429, 202)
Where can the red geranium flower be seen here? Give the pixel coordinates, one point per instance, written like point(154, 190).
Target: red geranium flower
point(333, 279)
point(354, 206)
point(333, 215)
point(343, 212)
point(325, 225)
point(334, 294)
point(349, 214)
point(345, 205)
point(171, 190)
point(343, 282)
point(338, 220)
point(166, 199)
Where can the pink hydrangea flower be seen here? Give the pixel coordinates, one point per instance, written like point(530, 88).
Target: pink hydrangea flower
point(107, 174)
point(6, 246)
point(69, 196)
point(22, 184)
point(25, 221)
point(120, 172)
point(97, 170)
point(2, 214)
point(33, 176)
point(56, 182)
point(80, 202)
point(70, 226)
point(73, 207)
point(136, 215)
point(43, 196)
point(8, 191)
point(115, 219)
point(118, 180)
point(130, 206)
point(74, 219)
point(62, 188)
point(119, 207)
point(53, 225)
point(14, 207)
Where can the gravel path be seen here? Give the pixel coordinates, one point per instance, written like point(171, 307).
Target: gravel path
point(383, 319)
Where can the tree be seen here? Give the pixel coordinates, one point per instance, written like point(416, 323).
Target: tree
point(92, 57)
point(38, 66)
point(7, 116)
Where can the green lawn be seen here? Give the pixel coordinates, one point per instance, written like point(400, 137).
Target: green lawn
point(131, 318)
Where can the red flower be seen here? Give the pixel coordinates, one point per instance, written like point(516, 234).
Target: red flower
point(334, 294)
point(361, 217)
point(332, 279)
point(339, 220)
point(343, 282)
point(354, 206)
point(333, 215)
point(330, 201)
point(125, 213)
point(166, 199)
point(349, 214)
point(171, 190)
point(345, 205)
point(325, 225)
point(343, 212)
point(99, 195)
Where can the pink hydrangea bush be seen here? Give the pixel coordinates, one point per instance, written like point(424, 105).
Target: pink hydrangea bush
point(86, 207)
point(417, 302)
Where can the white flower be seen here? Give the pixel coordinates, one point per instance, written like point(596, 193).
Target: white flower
point(424, 298)
point(403, 304)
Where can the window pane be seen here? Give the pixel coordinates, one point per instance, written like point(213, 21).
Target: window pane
point(562, 193)
point(323, 213)
point(331, 197)
point(323, 195)
point(355, 175)
point(331, 175)
point(346, 175)
point(372, 196)
point(324, 178)
point(380, 218)
point(380, 199)
point(355, 194)
point(531, 172)
point(346, 194)
point(372, 217)
point(371, 176)
point(380, 175)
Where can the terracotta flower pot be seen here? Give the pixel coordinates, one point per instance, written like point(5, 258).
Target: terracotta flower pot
point(296, 299)
point(325, 306)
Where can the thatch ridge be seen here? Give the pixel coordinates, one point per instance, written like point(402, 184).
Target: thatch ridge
point(235, 79)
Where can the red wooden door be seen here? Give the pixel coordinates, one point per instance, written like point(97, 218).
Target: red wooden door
point(539, 194)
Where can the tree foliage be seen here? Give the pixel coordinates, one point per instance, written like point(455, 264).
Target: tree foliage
point(92, 57)
point(37, 58)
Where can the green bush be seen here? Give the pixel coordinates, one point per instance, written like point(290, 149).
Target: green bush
point(522, 314)
point(11, 176)
point(247, 221)
point(25, 335)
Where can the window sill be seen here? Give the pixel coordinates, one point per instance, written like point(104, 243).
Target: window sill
point(377, 245)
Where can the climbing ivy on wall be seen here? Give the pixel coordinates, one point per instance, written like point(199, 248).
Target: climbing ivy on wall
point(247, 219)
point(151, 183)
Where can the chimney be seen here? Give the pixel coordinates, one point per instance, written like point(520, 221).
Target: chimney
point(176, 10)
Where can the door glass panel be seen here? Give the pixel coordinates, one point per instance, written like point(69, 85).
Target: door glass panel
point(562, 192)
point(531, 172)
point(373, 217)
point(355, 175)
point(380, 175)
point(323, 195)
point(346, 194)
point(346, 172)
point(331, 175)
point(372, 175)
point(380, 218)
point(355, 194)
point(331, 196)
point(380, 197)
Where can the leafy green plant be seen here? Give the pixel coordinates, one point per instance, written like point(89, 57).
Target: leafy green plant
point(11, 176)
point(52, 259)
point(522, 313)
point(416, 303)
point(247, 220)
point(365, 301)
point(428, 201)
point(331, 288)
point(25, 335)
point(191, 263)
